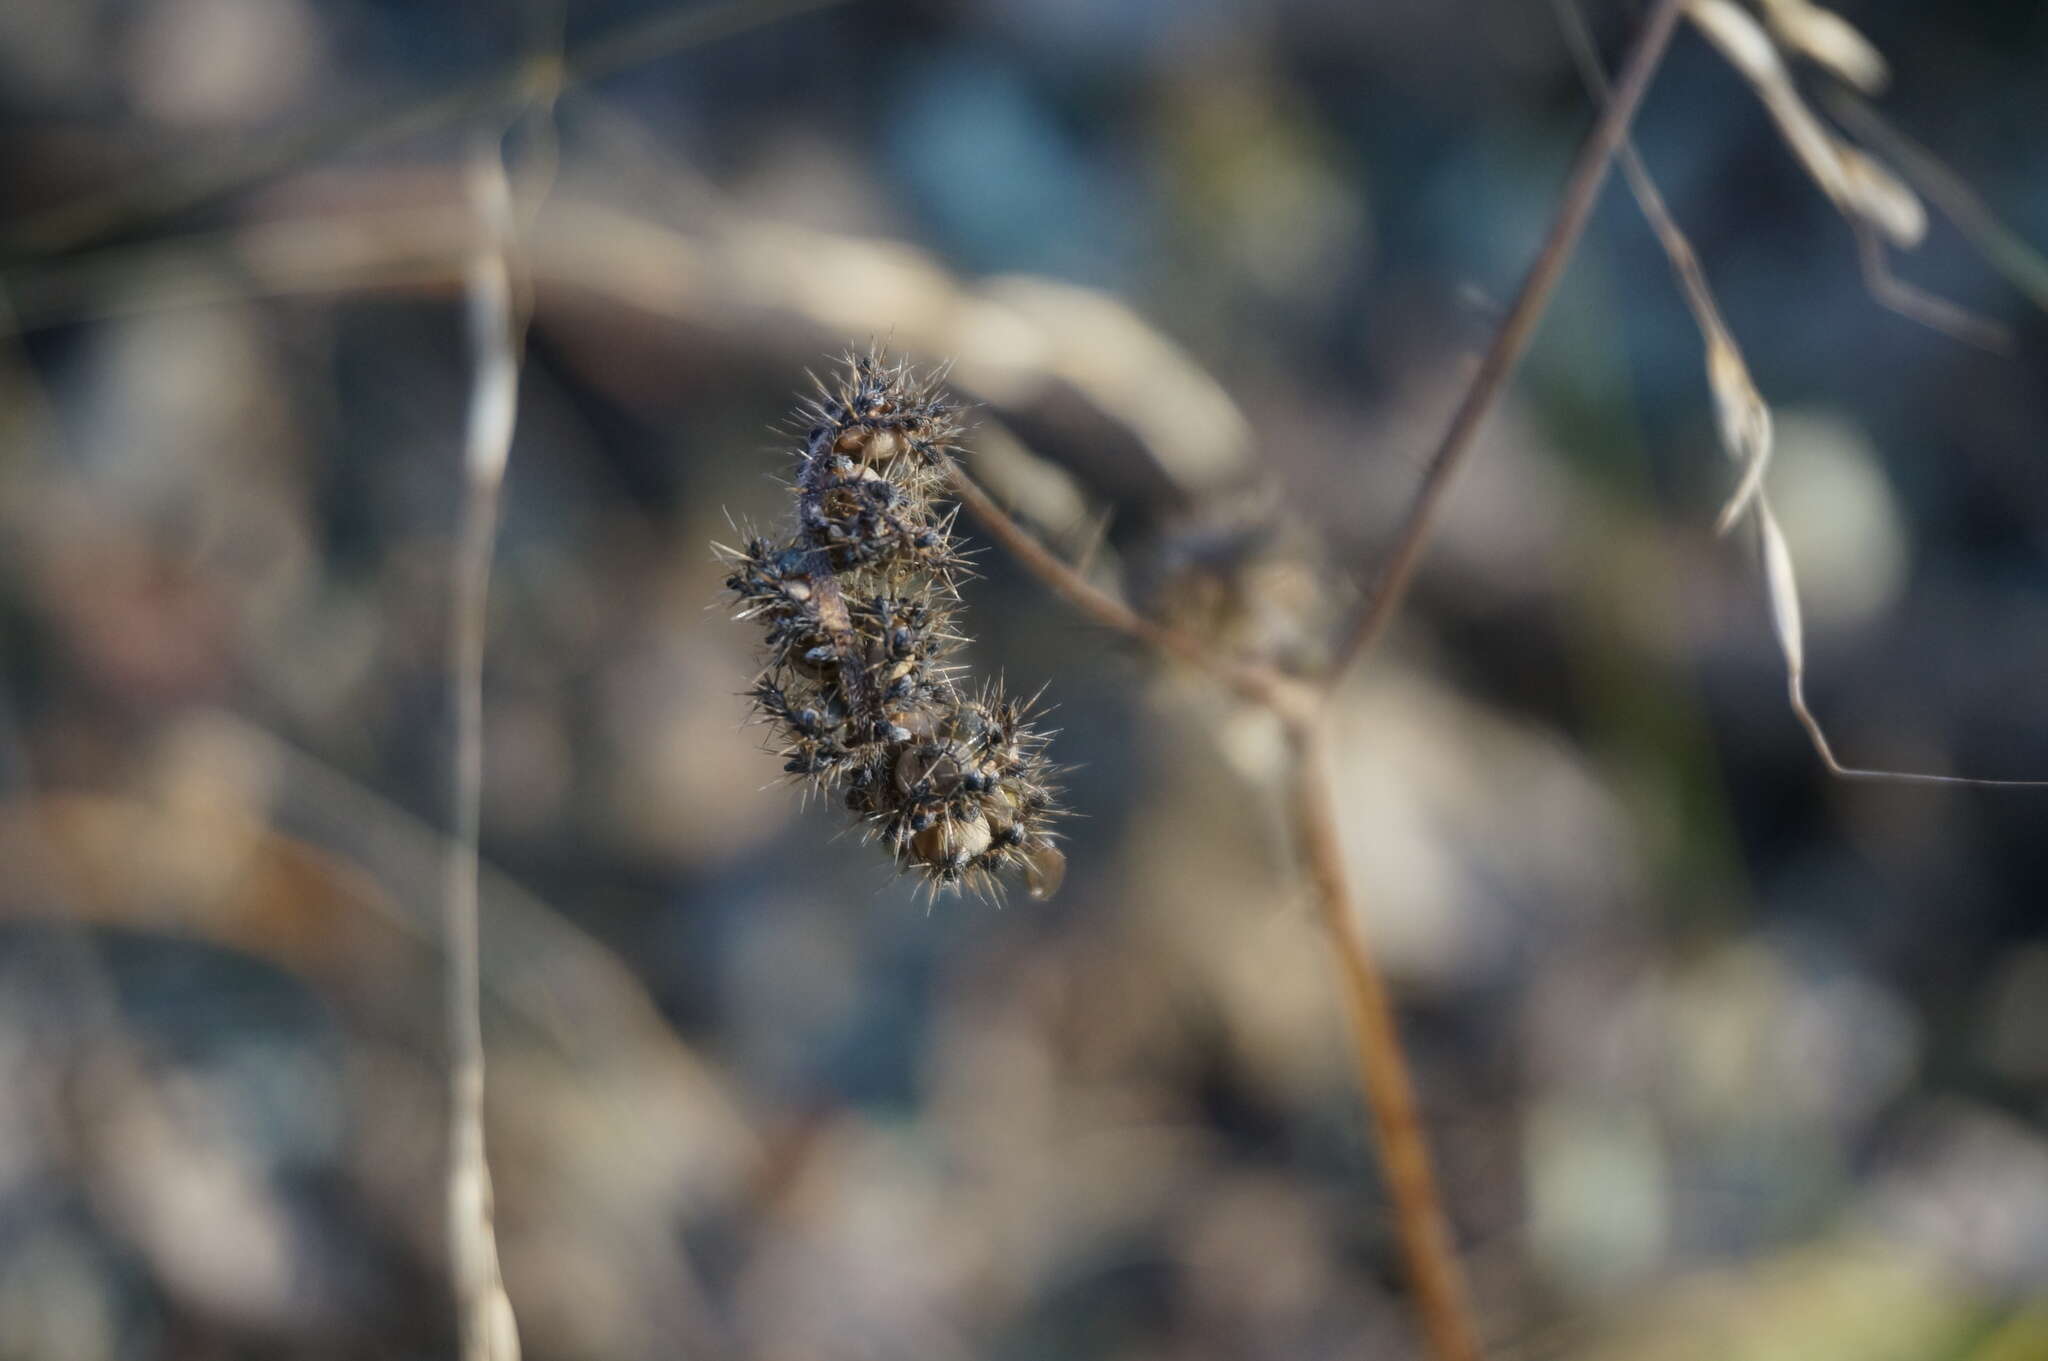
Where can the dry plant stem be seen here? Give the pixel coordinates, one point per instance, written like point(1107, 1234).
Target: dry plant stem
point(1582, 188)
point(1685, 262)
point(484, 1313)
point(1891, 291)
point(1432, 1267)
point(1441, 1298)
point(1256, 682)
point(1917, 304)
point(2020, 264)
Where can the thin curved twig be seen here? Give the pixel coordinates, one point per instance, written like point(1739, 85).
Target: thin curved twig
point(1442, 1302)
point(1589, 172)
point(483, 1310)
point(1255, 681)
point(1442, 1299)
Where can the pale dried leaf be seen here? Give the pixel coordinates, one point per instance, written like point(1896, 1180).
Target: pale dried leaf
point(1826, 38)
point(1742, 40)
point(1749, 49)
point(1740, 411)
point(1744, 419)
point(1859, 187)
point(1783, 589)
point(1882, 198)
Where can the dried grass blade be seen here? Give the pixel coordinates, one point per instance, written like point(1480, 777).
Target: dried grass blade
point(1744, 419)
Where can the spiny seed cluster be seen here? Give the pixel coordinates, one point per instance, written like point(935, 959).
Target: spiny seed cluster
point(858, 600)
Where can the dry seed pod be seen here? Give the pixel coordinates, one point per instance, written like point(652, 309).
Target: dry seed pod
point(857, 600)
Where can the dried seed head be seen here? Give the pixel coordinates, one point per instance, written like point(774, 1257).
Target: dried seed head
point(858, 600)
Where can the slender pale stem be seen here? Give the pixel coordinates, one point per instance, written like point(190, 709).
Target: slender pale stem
point(483, 1310)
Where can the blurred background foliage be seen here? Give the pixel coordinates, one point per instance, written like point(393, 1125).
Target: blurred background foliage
point(1723, 1059)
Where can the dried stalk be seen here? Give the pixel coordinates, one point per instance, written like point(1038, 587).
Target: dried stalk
point(484, 1313)
point(488, 1331)
point(1442, 1300)
point(1255, 681)
point(1588, 173)
point(1442, 1303)
point(1918, 304)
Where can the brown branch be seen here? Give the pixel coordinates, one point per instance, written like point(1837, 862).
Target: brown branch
point(1588, 173)
point(1255, 681)
point(1420, 1223)
point(1441, 1298)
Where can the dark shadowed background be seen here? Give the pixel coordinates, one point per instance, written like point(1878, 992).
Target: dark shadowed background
point(1722, 1058)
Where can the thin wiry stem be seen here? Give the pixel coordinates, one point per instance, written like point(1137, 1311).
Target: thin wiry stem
point(1588, 173)
point(1255, 681)
point(1442, 1301)
point(2019, 263)
point(484, 1312)
point(1685, 262)
point(1918, 304)
point(1441, 1297)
